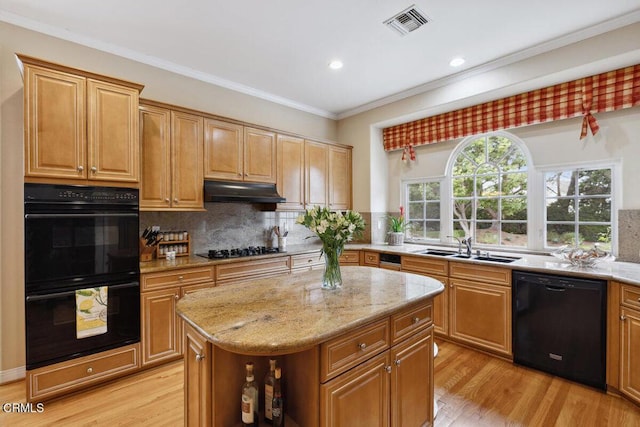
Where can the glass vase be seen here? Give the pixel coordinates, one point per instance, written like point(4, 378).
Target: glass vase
point(331, 278)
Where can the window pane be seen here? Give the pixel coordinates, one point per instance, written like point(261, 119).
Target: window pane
point(487, 169)
point(497, 148)
point(514, 184)
point(514, 208)
point(514, 161)
point(560, 235)
point(462, 208)
point(416, 191)
point(595, 182)
point(433, 210)
point(487, 209)
point(416, 210)
point(487, 233)
point(592, 234)
point(487, 185)
point(432, 191)
point(416, 229)
point(463, 187)
point(561, 210)
point(433, 229)
point(559, 184)
point(461, 229)
point(595, 210)
point(476, 151)
point(514, 234)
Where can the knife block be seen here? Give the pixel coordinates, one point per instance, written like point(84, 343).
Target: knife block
point(146, 252)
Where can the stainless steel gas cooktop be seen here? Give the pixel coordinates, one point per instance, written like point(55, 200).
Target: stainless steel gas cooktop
point(238, 252)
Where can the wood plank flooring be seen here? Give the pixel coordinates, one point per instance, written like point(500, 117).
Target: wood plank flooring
point(472, 389)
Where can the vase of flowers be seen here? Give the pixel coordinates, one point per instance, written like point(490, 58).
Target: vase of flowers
point(397, 228)
point(334, 230)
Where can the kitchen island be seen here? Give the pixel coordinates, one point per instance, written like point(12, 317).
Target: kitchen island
point(359, 355)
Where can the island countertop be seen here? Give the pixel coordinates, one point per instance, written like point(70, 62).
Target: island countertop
point(287, 314)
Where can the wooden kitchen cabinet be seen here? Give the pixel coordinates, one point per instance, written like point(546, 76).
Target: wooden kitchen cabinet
point(197, 379)
point(161, 329)
point(172, 145)
point(339, 175)
point(239, 153)
point(231, 272)
point(291, 172)
point(306, 262)
point(480, 309)
point(79, 126)
point(371, 259)
point(626, 334)
point(316, 167)
point(350, 257)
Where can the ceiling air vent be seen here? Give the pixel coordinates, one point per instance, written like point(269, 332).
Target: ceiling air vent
point(407, 21)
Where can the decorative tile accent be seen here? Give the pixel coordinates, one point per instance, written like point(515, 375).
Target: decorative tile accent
point(629, 235)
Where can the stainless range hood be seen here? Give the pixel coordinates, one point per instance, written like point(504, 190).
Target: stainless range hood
point(240, 192)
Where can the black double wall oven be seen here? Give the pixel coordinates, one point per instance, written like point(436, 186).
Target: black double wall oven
point(82, 272)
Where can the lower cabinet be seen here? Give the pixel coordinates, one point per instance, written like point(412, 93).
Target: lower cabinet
point(197, 379)
point(630, 341)
point(350, 257)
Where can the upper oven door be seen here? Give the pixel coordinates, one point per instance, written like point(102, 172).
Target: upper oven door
point(69, 245)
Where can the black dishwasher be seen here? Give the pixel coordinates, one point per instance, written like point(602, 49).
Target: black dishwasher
point(559, 326)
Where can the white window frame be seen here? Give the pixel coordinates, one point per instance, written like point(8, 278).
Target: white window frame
point(404, 190)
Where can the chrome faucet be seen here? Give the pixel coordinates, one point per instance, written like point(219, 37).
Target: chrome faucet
point(466, 242)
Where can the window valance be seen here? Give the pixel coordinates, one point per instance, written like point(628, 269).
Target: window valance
point(609, 91)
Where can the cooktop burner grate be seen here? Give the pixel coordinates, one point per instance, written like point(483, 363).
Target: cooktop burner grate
point(238, 252)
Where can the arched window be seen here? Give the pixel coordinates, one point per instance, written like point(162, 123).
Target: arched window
point(489, 184)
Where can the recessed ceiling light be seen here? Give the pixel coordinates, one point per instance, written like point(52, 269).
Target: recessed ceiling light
point(335, 64)
point(457, 61)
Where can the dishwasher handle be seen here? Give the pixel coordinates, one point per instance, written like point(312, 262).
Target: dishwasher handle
point(555, 288)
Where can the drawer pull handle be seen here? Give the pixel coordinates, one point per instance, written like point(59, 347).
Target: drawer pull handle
point(397, 362)
point(181, 278)
point(80, 168)
point(416, 320)
point(199, 357)
point(388, 369)
point(89, 370)
point(94, 169)
point(177, 297)
point(362, 346)
point(623, 318)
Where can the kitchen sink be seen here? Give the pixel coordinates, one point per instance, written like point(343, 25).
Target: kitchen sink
point(436, 252)
point(502, 259)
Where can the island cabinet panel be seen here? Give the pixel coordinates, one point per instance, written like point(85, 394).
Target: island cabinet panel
point(346, 351)
point(359, 397)
point(411, 381)
point(409, 321)
point(480, 314)
point(306, 262)
point(197, 380)
point(256, 268)
point(441, 309)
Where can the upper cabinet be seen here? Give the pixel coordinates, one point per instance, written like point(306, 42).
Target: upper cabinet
point(316, 158)
point(79, 126)
point(339, 178)
point(172, 145)
point(290, 182)
point(239, 153)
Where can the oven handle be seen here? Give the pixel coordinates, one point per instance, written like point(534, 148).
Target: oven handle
point(79, 215)
point(64, 294)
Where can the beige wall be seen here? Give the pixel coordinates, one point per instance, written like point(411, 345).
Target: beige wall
point(159, 85)
point(602, 53)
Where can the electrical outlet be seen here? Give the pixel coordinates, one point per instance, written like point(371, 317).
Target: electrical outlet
point(379, 224)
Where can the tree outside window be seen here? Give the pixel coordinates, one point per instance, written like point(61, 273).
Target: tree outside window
point(423, 210)
point(489, 188)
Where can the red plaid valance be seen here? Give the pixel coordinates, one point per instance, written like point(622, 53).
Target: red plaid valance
point(610, 91)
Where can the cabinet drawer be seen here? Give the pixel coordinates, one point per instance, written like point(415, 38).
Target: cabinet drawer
point(350, 258)
point(371, 259)
point(630, 296)
point(72, 375)
point(304, 261)
point(410, 321)
point(425, 265)
point(184, 276)
point(266, 267)
point(480, 273)
point(348, 350)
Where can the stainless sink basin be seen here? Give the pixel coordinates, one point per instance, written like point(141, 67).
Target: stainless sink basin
point(453, 254)
point(504, 259)
point(436, 252)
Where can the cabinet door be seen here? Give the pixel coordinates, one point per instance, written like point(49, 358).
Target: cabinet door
point(316, 165)
point(259, 155)
point(441, 309)
point(290, 182)
point(480, 314)
point(411, 381)
point(113, 147)
point(630, 353)
point(55, 133)
point(359, 397)
point(197, 379)
point(339, 178)
point(186, 170)
point(223, 150)
point(155, 141)
point(161, 331)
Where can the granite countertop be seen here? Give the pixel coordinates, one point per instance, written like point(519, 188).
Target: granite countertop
point(291, 313)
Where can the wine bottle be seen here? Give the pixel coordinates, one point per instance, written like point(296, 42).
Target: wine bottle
point(250, 398)
point(277, 403)
point(269, 380)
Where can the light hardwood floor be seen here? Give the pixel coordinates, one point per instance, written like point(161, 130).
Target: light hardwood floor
point(472, 389)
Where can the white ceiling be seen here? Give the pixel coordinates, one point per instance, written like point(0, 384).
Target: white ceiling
point(280, 49)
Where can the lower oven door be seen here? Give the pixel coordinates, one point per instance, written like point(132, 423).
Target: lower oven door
point(52, 326)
